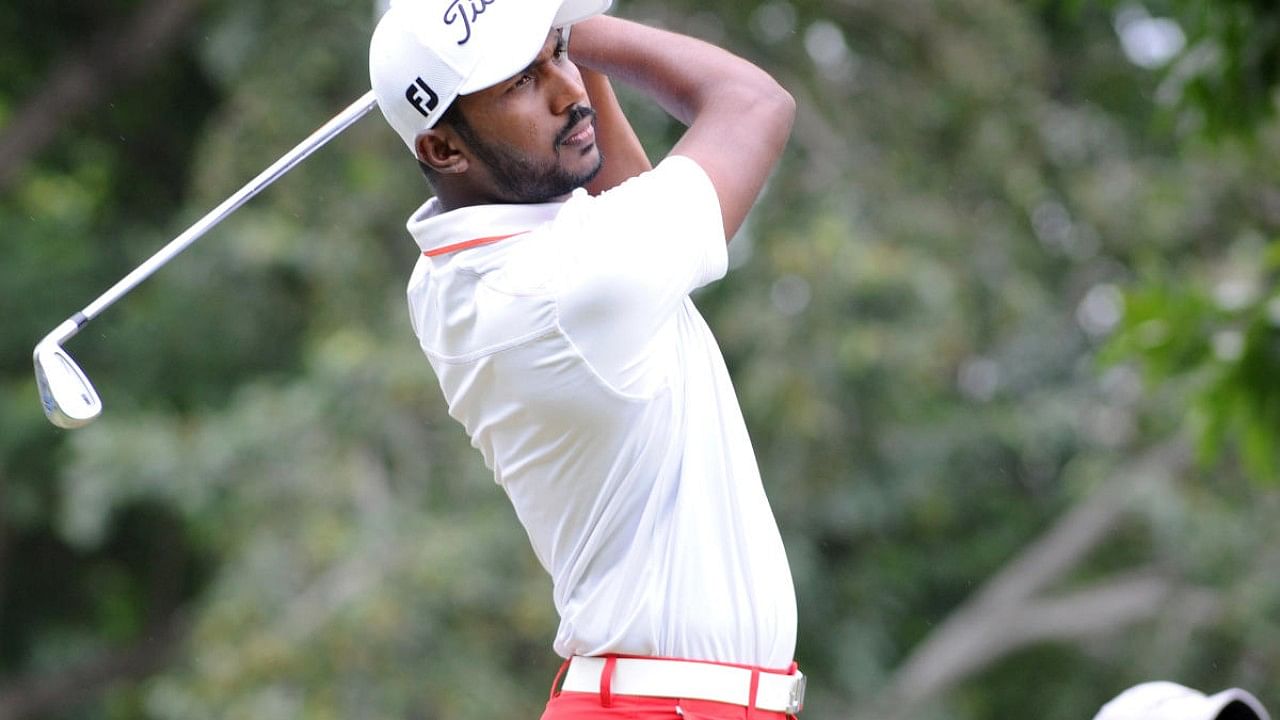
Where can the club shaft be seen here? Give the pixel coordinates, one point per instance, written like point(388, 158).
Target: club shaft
point(314, 142)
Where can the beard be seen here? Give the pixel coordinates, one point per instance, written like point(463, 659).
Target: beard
point(521, 179)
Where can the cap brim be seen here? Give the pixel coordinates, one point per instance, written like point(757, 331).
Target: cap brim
point(1222, 700)
point(507, 56)
point(1170, 701)
point(572, 11)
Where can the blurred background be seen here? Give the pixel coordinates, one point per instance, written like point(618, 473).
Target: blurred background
point(1005, 329)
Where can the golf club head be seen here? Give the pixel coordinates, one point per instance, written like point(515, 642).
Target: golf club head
point(68, 397)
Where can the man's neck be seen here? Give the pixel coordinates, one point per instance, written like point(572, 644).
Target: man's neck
point(452, 199)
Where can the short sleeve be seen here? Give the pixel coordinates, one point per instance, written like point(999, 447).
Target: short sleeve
point(633, 255)
point(672, 211)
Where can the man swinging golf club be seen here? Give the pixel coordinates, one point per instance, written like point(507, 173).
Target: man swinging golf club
point(552, 302)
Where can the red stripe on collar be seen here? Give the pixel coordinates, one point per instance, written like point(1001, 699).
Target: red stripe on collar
point(468, 244)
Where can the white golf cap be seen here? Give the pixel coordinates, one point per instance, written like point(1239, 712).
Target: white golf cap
point(1171, 701)
point(425, 53)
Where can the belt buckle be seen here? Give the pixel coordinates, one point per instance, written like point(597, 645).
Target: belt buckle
point(795, 701)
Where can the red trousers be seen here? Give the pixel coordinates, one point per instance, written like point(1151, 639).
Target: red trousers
point(588, 706)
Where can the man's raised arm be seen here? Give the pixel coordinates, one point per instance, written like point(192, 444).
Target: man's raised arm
point(738, 116)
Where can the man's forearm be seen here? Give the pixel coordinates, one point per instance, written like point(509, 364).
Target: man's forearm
point(682, 73)
point(739, 118)
point(624, 156)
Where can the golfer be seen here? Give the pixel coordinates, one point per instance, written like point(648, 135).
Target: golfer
point(552, 301)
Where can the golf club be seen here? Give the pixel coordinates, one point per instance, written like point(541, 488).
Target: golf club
point(69, 399)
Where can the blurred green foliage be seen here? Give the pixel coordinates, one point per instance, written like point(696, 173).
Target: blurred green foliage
point(1233, 68)
point(999, 263)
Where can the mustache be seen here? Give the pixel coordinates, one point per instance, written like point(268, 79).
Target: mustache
point(576, 114)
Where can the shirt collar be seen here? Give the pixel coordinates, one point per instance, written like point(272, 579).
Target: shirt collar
point(433, 228)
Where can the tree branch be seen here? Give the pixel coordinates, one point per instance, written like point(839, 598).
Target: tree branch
point(114, 57)
point(1114, 603)
point(1073, 537)
point(1004, 614)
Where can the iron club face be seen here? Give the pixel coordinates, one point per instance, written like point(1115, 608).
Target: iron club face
point(68, 397)
point(66, 394)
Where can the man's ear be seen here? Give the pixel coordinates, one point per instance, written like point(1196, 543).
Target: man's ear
point(439, 149)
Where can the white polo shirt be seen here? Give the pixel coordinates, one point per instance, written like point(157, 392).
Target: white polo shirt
point(572, 354)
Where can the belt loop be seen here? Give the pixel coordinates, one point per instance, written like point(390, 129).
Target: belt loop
point(606, 680)
point(555, 684)
point(751, 696)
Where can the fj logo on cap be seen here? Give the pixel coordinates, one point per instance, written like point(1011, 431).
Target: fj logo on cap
point(422, 104)
point(467, 11)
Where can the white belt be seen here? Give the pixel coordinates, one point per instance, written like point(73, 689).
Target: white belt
point(654, 677)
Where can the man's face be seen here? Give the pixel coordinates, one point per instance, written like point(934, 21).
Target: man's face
point(532, 136)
